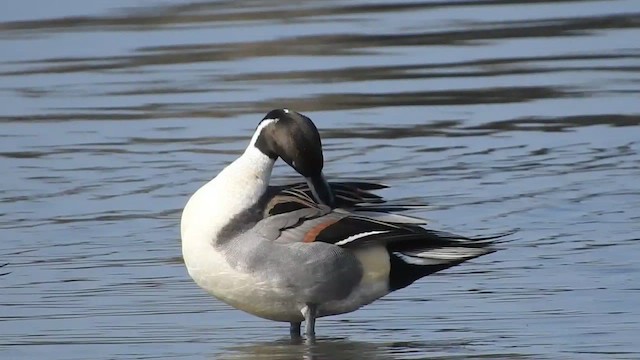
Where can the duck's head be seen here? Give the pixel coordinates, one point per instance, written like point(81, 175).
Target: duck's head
point(294, 138)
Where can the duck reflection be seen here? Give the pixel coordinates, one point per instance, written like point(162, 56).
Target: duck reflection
point(342, 348)
point(299, 349)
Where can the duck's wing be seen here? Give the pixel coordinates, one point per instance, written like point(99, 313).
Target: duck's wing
point(412, 251)
point(355, 196)
point(363, 221)
point(292, 215)
point(348, 194)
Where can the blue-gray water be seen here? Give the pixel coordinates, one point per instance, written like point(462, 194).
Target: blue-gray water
point(499, 114)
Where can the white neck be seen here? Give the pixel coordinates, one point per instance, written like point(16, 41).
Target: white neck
point(237, 187)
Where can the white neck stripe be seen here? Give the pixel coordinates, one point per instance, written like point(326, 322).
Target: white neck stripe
point(261, 126)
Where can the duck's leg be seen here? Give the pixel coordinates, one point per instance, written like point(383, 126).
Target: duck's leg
point(310, 312)
point(294, 330)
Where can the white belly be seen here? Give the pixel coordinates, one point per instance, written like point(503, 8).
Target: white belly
point(241, 290)
point(268, 300)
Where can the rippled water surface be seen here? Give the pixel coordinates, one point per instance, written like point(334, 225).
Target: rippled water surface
point(501, 115)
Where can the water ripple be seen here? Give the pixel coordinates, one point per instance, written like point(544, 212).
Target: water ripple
point(499, 115)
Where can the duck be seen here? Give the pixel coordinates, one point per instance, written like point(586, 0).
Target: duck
point(294, 253)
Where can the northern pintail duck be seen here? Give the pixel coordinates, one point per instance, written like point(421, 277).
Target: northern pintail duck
point(295, 253)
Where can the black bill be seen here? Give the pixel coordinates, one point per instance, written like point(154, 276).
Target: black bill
point(321, 190)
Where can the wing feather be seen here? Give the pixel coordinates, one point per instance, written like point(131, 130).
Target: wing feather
point(361, 219)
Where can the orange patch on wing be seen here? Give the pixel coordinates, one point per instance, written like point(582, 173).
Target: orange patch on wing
point(313, 233)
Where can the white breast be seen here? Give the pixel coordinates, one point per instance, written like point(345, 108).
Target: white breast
point(238, 186)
